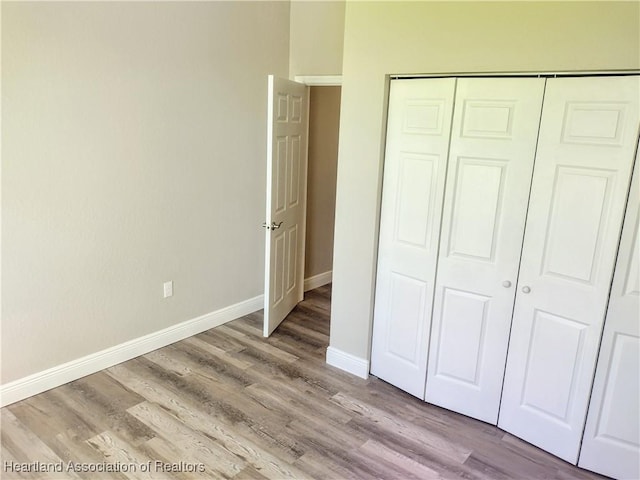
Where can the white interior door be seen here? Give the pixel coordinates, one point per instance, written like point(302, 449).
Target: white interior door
point(286, 199)
point(418, 129)
point(585, 154)
point(493, 145)
point(611, 443)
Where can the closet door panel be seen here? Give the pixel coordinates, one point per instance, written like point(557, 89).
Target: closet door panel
point(611, 443)
point(418, 130)
point(585, 154)
point(491, 157)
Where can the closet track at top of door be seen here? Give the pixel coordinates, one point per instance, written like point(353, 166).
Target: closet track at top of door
point(616, 73)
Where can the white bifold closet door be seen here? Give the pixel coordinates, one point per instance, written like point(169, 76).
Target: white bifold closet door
point(418, 129)
point(493, 145)
point(586, 147)
point(611, 443)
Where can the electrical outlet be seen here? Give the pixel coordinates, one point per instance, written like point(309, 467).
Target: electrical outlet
point(168, 289)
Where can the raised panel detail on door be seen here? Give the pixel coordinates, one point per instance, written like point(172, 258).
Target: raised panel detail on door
point(281, 174)
point(408, 308)
point(489, 173)
point(476, 208)
point(294, 171)
point(550, 371)
point(632, 282)
point(578, 196)
point(424, 117)
point(621, 393)
point(593, 123)
point(292, 260)
point(296, 108)
point(459, 351)
point(611, 443)
point(280, 265)
point(282, 108)
point(572, 248)
point(492, 119)
point(414, 208)
point(418, 129)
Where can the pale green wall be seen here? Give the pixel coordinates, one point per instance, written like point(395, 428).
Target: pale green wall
point(133, 152)
point(384, 38)
point(317, 29)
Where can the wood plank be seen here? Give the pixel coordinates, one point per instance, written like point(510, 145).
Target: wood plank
point(220, 374)
point(301, 401)
point(217, 352)
point(162, 450)
point(220, 445)
point(94, 407)
point(404, 429)
point(208, 418)
point(394, 464)
point(125, 457)
point(323, 444)
point(250, 473)
point(70, 449)
point(257, 344)
point(23, 445)
point(188, 442)
point(320, 466)
point(6, 457)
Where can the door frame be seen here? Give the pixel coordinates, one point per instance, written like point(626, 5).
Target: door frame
point(317, 81)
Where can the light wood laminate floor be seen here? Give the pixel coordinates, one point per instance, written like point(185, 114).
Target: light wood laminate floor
point(229, 404)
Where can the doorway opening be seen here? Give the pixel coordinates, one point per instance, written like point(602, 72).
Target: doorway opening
point(324, 120)
point(323, 124)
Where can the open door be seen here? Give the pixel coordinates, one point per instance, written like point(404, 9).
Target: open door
point(286, 199)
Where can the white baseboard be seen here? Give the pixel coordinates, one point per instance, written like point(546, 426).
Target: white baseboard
point(347, 362)
point(317, 281)
point(67, 372)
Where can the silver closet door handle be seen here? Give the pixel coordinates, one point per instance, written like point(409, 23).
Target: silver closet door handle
point(506, 284)
point(525, 289)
